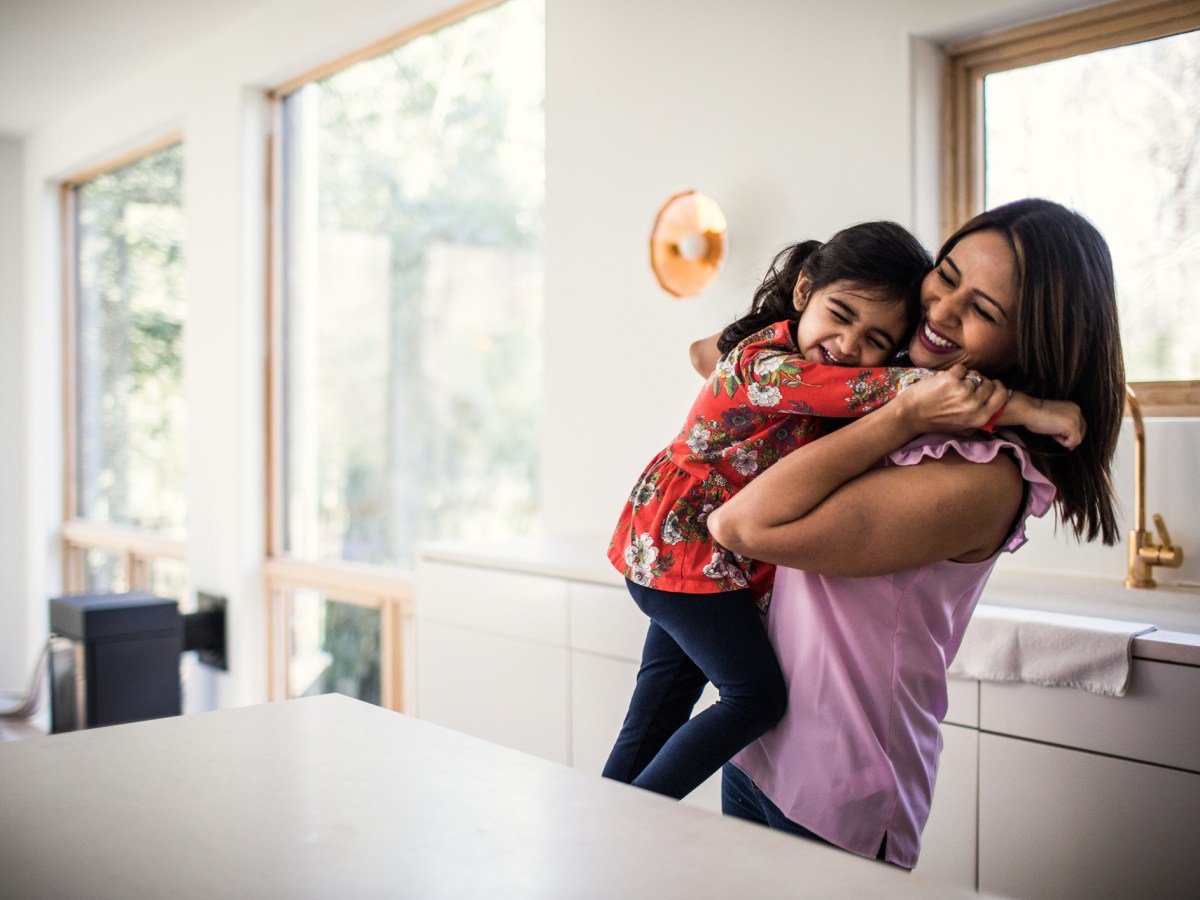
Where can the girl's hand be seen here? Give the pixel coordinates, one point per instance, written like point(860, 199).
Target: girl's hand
point(952, 400)
point(1060, 419)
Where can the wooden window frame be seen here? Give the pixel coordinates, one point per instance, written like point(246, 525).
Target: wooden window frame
point(367, 586)
point(392, 591)
point(138, 549)
point(969, 62)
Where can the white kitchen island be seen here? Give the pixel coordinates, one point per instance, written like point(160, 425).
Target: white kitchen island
point(329, 797)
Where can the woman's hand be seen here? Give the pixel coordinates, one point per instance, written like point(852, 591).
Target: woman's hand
point(952, 400)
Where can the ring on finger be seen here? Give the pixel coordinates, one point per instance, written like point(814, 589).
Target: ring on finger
point(976, 380)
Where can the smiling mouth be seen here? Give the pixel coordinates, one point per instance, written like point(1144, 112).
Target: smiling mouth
point(935, 342)
point(830, 359)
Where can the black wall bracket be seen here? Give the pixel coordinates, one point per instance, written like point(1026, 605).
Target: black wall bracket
point(204, 631)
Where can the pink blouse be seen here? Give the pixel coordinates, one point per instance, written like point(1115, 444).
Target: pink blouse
point(855, 756)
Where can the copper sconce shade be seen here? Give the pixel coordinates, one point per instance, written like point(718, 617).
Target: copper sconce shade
point(687, 245)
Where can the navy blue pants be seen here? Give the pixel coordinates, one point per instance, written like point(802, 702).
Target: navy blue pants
point(741, 798)
point(694, 639)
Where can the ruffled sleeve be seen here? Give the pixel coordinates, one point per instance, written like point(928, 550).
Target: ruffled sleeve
point(983, 448)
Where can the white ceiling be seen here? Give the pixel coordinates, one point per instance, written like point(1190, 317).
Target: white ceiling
point(57, 54)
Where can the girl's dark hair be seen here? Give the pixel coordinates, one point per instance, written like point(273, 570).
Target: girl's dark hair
point(879, 255)
point(1068, 348)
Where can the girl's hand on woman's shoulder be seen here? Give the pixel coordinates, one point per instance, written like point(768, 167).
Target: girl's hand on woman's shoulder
point(1060, 419)
point(952, 400)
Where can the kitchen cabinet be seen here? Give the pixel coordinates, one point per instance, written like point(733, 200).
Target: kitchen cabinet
point(540, 663)
point(1041, 792)
point(1083, 795)
point(492, 658)
point(1060, 793)
point(949, 841)
point(506, 690)
point(600, 688)
point(606, 634)
point(1157, 721)
point(1060, 823)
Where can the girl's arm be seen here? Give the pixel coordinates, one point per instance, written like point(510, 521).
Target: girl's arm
point(825, 508)
point(1060, 419)
point(783, 381)
point(704, 354)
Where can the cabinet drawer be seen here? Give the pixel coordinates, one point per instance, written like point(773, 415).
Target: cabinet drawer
point(1058, 823)
point(962, 695)
point(948, 841)
point(509, 603)
point(508, 691)
point(601, 687)
point(606, 620)
point(600, 692)
point(1155, 721)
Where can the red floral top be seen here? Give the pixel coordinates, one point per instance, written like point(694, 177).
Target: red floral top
point(761, 403)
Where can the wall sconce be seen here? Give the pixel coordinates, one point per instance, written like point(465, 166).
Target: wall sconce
point(687, 245)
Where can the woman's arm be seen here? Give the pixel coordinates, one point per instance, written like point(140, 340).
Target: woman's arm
point(827, 509)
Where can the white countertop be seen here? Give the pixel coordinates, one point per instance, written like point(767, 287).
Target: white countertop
point(329, 797)
point(576, 557)
point(1175, 611)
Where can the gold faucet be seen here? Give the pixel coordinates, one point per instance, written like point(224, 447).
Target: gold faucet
point(1144, 554)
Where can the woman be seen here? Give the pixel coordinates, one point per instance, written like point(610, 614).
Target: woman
point(881, 565)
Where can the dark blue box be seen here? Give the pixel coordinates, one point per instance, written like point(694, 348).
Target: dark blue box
point(115, 660)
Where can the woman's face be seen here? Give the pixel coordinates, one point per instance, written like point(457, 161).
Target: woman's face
point(970, 306)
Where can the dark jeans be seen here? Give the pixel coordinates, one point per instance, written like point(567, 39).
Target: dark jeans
point(694, 639)
point(741, 798)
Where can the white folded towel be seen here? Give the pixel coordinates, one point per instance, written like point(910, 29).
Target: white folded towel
point(1004, 643)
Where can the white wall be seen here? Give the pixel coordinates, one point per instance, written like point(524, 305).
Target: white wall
point(798, 117)
point(1172, 461)
point(16, 631)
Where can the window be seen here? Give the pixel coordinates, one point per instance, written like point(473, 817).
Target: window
point(407, 304)
point(334, 646)
point(1097, 110)
point(125, 504)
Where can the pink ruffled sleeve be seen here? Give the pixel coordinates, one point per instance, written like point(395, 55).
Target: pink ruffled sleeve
point(983, 448)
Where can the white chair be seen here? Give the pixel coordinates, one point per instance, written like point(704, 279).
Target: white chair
point(26, 706)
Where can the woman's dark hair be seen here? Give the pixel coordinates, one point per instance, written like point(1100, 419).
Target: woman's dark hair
point(879, 255)
point(1068, 348)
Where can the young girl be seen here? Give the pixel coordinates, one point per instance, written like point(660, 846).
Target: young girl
point(823, 321)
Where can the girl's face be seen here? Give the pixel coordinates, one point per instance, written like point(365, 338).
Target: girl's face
point(845, 324)
point(970, 304)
